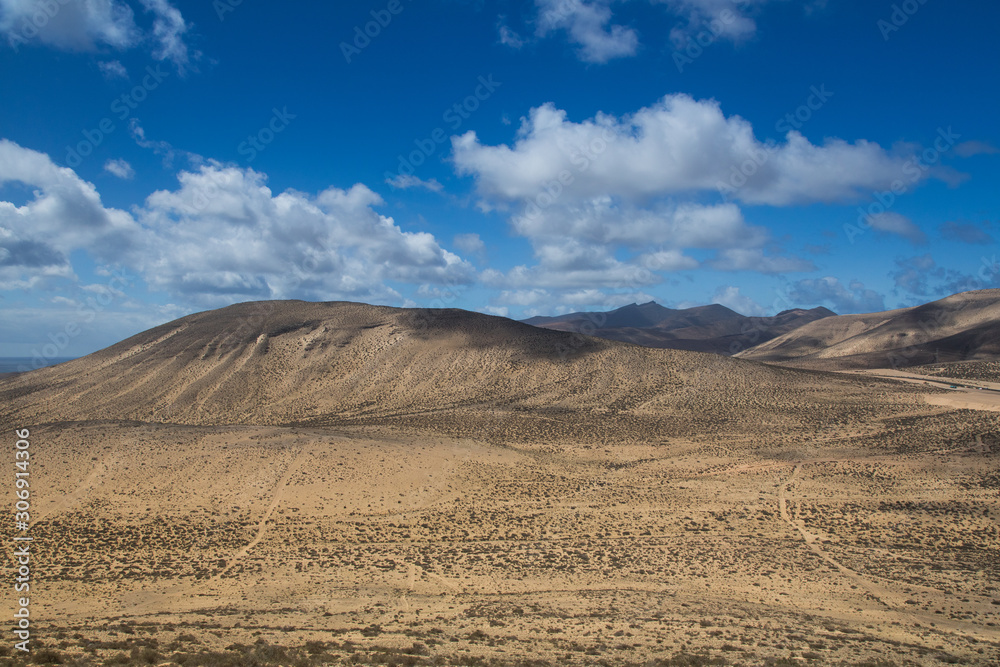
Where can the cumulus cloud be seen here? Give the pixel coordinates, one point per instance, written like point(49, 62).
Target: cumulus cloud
point(587, 23)
point(220, 236)
point(120, 168)
point(894, 223)
point(678, 145)
point(86, 25)
point(624, 197)
point(66, 213)
point(225, 233)
point(844, 299)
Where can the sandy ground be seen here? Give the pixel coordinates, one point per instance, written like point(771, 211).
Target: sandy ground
point(369, 540)
point(963, 393)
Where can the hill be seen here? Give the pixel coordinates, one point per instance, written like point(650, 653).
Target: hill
point(713, 328)
point(962, 327)
point(340, 363)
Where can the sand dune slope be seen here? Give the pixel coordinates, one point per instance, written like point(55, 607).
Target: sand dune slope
point(962, 327)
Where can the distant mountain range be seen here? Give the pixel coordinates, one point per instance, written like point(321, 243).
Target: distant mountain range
point(712, 328)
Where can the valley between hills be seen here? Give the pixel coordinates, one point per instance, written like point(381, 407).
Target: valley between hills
point(292, 483)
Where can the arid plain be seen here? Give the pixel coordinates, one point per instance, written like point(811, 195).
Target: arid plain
point(307, 484)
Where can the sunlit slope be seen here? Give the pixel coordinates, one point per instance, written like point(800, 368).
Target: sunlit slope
point(962, 327)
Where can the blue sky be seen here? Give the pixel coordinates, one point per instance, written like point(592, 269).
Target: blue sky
point(159, 158)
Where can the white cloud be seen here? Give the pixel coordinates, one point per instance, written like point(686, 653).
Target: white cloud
point(754, 259)
point(65, 214)
point(112, 69)
point(225, 233)
point(603, 220)
point(120, 168)
point(509, 38)
point(604, 199)
point(87, 25)
point(731, 297)
point(168, 30)
point(405, 182)
point(573, 265)
point(529, 297)
point(587, 25)
point(722, 19)
point(678, 145)
point(221, 236)
point(667, 260)
point(470, 244)
point(76, 25)
point(894, 223)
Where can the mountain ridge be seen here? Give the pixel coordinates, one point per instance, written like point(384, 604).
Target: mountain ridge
point(712, 328)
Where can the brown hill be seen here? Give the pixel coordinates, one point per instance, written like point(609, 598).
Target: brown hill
point(294, 362)
point(713, 328)
point(962, 327)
